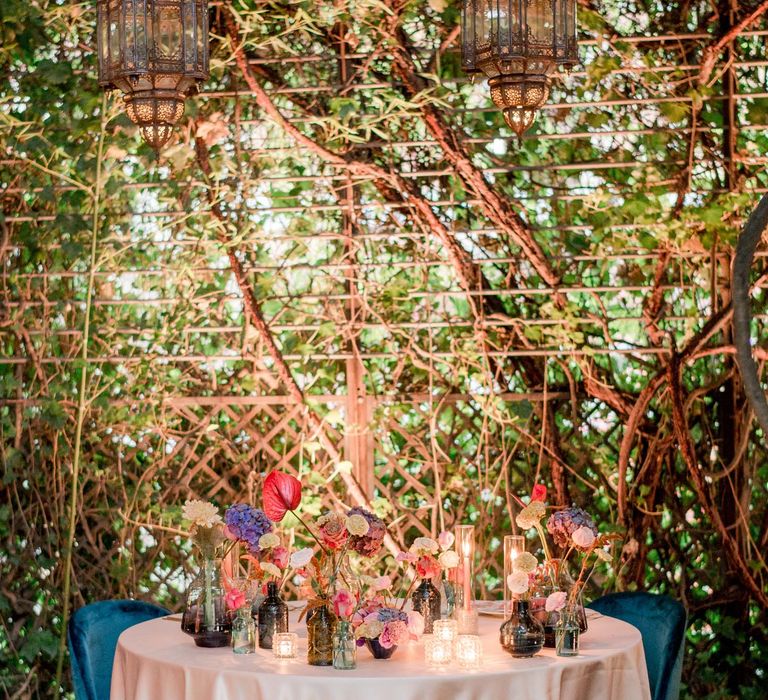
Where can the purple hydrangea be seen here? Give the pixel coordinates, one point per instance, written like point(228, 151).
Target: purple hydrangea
point(563, 523)
point(391, 614)
point(247, 524)
point(370, 543)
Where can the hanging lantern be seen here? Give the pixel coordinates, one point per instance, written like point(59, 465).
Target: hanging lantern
point(156, 53)
point(518, 45)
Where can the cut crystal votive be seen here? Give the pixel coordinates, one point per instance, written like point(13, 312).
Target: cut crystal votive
point(438, 653)
point(466, 621)
point(469, 651)
point(445, 630)
point(285, 645)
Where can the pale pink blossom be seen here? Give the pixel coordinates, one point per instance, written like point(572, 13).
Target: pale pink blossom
point(445, 539)
point(583, 537)
point(343, 603)
point(415, 624)
point(555, 601)
point(406, 556)
point(394, 633)
point(382, 583)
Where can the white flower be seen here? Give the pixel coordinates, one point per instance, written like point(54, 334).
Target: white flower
point(518, 582)
point(370, 630)
point(531, 515)
point(357, 525)
point(269, 568)
point(424, 545)
point(301, 557)
point(583, 537)
point(525, 562)
point(556, 601)
point(201, 513)
point(449, 559)
point(268, 540)
point(446, 539)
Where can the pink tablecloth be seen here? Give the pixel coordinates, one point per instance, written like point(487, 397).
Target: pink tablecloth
point(156, 661)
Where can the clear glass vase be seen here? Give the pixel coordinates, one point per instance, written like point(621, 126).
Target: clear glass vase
point(556, 577)
point(243, 632)
point(567, 632)
point(426, 600)
point(321, 627)
point(205, 614)
point(344, 647)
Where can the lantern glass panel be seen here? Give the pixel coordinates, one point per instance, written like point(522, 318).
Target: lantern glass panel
point(168, 33)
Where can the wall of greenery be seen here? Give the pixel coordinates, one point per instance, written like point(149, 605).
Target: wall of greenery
point(343, 210)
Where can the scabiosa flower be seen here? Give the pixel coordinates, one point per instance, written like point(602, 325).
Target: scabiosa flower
point(563, 523)
point(247, 524)
point(370, 543)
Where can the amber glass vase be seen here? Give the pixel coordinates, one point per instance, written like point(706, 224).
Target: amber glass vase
point(321, 627)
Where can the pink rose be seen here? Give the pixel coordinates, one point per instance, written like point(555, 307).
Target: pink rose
point(555, 601)
point(428, 567)
point(406, 556)
point(343, 603)
point(395, 633)
point(235, 599)
point(280, 557)
point(333, 530)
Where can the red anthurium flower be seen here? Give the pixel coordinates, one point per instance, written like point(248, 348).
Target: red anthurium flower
point(282, 492)
point(539, 493)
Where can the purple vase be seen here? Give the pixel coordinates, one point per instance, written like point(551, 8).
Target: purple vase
point(378, 651)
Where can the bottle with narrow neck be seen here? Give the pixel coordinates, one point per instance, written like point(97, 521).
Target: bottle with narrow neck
point(273, 616)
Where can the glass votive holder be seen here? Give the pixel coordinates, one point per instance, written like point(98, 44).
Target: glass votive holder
point(466, 621)
point(285, 645)
point(438, 653)
point(469, 651)
point(445, 630)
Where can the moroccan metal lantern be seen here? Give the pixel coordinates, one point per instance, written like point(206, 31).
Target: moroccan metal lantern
point(156, 53)
point(519, 45)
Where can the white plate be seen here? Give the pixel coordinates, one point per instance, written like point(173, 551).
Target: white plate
point(491, 608)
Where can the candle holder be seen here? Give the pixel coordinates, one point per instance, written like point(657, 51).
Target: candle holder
point(469, 651)
point(467, 621)
point(514, 546)
point(465, 548)
point(438, 653)
point(445, 630)
point(285, 645)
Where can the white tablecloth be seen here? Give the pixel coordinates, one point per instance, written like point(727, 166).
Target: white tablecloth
point(156, 661)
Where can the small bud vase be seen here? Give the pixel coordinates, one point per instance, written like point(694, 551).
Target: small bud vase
point(522, 635)
point(567, 633)
point(321, 626)
point(344, 647)
point(243, 632)
point(426, 600)
point(273, 616)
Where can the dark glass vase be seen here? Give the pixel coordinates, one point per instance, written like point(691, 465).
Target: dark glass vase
point(522, 635)
point(378, 651)
point(273, 616)
point(321, 627)
point(426, 600)
point(205, 614)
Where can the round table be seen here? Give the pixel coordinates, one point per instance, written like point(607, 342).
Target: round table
point(155, 660)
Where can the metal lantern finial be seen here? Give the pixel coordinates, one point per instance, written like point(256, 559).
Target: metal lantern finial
point(156, 53)
point(518, 45)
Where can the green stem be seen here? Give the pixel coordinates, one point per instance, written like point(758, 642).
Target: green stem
point(81, 411)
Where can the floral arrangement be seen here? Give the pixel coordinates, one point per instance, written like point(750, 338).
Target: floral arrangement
point(574, 531)
point(431, 557)
point(387, 625)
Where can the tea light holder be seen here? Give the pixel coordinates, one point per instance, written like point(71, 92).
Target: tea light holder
point(469, 651)
point(446, 630)
point(285, 645)
point(438, 653)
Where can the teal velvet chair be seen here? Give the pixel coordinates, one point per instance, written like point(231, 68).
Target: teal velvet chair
point(92, 637)
point(662, 621)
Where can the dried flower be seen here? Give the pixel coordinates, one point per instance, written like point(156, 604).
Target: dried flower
point(270, 569)
point(368, 545)
point(531, 515)
point(563, 523)
point(518, 582)
point(268, 541)
point(333, 530)
point(201, 513)
point(424, 545)
point(525, 562)
point(448, 559)
point(357, 525)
